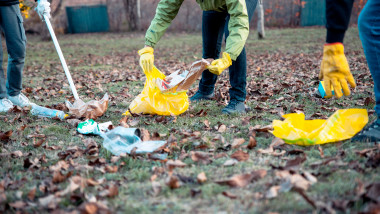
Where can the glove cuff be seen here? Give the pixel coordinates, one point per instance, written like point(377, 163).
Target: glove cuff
point(333, 49)
point(228, 57)
point(146, 50)
point(334, 43)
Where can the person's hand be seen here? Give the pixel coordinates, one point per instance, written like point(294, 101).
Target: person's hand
point(43, 9)
point(335, 70)
point(219, 65)
point(146, 58)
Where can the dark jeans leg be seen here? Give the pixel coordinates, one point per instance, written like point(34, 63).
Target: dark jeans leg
point(369, 31)
point(238, 69)
point(3, 89)
point(12, 25)
point(212, 33)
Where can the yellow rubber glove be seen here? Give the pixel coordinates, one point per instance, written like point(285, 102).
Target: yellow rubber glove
point(335, 70)
point(219, 65)
point(146, 58)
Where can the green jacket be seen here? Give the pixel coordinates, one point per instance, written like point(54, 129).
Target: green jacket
point(238, 25)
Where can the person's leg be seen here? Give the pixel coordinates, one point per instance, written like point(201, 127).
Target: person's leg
point(12, 24)
point(369, 31)
point(3, 89)
point(238, 69)
point(5, 103)
point(212, 34)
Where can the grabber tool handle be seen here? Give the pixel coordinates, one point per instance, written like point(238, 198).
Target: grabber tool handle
point(63, 61)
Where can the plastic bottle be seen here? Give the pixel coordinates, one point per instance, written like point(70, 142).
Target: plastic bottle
point(47, 112)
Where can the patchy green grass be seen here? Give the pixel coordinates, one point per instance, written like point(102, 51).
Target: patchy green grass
point(103, 63)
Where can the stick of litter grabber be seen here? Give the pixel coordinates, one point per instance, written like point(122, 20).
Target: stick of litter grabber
point(63, 61)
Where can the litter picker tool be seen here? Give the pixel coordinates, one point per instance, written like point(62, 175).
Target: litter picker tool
point(92, 109)
point(60, 54)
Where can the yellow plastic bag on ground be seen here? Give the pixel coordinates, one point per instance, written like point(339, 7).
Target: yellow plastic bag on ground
point(153, 101)
point(342, 125)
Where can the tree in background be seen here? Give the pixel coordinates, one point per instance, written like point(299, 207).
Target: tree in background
point(132, 8)
point(260, 20)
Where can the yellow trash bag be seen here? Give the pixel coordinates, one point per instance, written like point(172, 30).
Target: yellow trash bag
point(153, 101)
point(342, 125)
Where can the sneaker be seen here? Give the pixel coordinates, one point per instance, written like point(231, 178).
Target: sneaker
point(371, 133)
point(5, 105)
point(199, 96)
point(20, 100)
point(235, 106)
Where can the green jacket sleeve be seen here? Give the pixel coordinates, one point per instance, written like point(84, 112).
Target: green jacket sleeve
point(166, 11)
point(238, 27)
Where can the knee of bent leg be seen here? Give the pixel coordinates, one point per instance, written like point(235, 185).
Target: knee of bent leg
point(17, 54)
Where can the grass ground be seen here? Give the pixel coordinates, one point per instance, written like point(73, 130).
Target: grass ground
point(282, 74)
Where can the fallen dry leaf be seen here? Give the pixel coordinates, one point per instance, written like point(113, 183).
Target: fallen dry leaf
point(240, 155)
point(259, 128)
point(92, 182)
point(6, 136)
point(16, 154)
point(373, 192)
point(321, 152)
point(113, 191)
point(36, 136)
point(201, 177)
point(292, 181)
point(123, 122)
point(272, 192)
point(173, 164)
point(111, 169)
point(38, 143)
point(229, 195)
point(145, 135)
point(237, 142)
point(270, 150)
point(71, 187)
point(156, 186)
point(173, 182)
point(252, 142)
point(207, 124)
point(89, 208)
point(230, 162)
point(32, 194)
point(18, 204)
point(222, 128)
point(50, 201)
point(202, 157)
point(58, 177)
point(243, 179)
point(134, 122)
point(294, 163)
point(93, 207)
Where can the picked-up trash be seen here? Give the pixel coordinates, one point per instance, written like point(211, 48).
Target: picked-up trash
point(171, 81)
point(342, 125)
point(92, 127)
point(321, 89)
point(125, 140)
point(182, 79)
point(89, 110)
point(47, 112)
point(166, 95)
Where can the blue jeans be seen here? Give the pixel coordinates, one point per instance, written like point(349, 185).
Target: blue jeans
point(11, 22)
point(369, 31)
point(214, 25)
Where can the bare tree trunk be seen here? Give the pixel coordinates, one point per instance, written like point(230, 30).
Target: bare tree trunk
point(132, 9)
point(260, 21)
